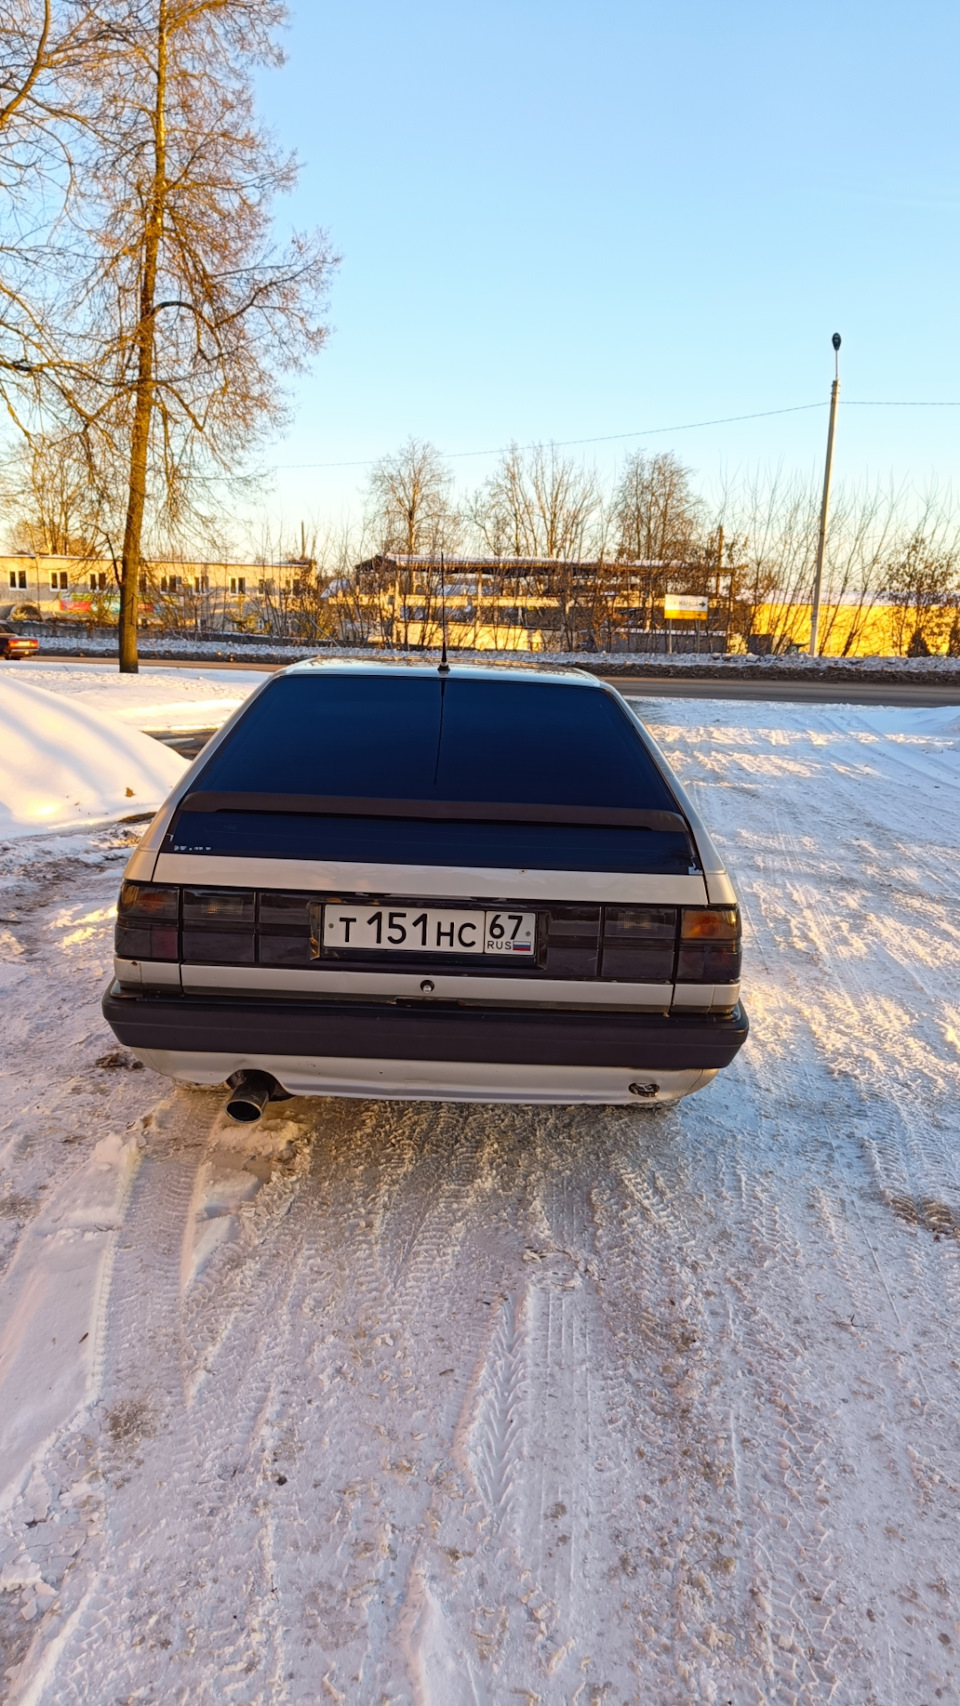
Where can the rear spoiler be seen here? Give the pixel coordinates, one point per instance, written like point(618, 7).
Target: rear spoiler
point(470, 811)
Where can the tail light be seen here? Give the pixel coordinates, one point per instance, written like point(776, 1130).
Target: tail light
point(203, 926)
point(638, 943)
point(219, 926)
point(283, 929)
point(709, 949)
point(148, 920)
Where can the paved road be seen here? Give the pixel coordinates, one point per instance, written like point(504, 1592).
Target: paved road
point(788, 692)
point(655, 686)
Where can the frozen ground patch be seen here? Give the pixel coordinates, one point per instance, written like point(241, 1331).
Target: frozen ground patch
point(442, 1406)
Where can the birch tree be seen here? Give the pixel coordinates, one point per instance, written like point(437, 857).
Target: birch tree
point(187, 311)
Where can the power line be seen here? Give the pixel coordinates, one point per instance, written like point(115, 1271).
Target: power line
point(566, 443)
point(651, 432)
point(644, 432)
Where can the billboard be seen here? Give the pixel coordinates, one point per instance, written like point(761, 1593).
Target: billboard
point(83, 603)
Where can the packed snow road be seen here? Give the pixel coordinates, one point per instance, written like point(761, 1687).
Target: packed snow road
point(452, 1405)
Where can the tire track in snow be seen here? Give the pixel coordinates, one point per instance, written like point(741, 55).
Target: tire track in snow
point(908, 1155)
point(533, 1448)
point(854, 1103)
point(679, 1528)
point(157, 1454)
point(384, 1431)
point(140, 1379)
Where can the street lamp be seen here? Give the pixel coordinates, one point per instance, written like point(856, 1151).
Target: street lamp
point(825, 502)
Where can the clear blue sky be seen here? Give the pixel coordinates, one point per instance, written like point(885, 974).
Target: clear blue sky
point(569, 220)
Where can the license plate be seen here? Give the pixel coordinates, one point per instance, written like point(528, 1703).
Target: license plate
point(427, 930)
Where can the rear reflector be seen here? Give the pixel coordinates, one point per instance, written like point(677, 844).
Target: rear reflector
point(218, 927)
point(229, 907)
point(710, 924)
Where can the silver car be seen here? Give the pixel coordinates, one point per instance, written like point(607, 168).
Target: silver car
point(469, 883)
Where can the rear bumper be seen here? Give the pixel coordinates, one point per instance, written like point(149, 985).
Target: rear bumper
point(372, 1048)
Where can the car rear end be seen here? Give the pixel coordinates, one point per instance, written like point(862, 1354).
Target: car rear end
point(14, 645)
point(383, 880)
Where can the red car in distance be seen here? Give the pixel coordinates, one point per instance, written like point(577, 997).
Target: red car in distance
point(14, 645)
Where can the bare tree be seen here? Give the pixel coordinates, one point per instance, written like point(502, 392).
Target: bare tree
point(185, 313)
point(299, 595)
point(656, 516)
point(41, 43)
point(27, 51)
point(538, 503)
point(410, 505)
point(540, 507)
point(923, 583)
point(770, 523)
point(410, 514)
point(859, 545)
point(51, 504)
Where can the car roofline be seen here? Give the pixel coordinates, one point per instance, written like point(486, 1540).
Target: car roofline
point(568, 674)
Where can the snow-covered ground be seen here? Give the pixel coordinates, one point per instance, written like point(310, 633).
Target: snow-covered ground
point(64, 762)
point(156, 700)
point(455, 1405)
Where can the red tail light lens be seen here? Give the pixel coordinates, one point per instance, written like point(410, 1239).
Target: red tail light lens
point(146, 901)
point(148, 919)
point(709, 945)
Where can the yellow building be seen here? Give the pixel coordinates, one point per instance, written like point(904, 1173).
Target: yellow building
point(85, 588)
point(857, 630)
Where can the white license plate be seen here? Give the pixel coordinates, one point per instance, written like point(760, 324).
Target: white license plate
point(428, 930)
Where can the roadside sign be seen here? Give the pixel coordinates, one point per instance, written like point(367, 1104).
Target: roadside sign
point(681, 604)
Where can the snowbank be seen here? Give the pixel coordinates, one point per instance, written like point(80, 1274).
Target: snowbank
point(157, 700)
point(64, 763)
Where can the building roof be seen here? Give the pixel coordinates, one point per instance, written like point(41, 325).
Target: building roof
point(521, 565)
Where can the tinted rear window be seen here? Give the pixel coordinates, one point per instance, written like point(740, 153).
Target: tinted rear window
point(396, 841)
point(420, 737)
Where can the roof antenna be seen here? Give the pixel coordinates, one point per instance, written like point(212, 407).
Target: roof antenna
point(444, 667)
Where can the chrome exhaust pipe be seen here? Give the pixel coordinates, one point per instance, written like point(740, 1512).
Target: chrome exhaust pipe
point(249, 1094)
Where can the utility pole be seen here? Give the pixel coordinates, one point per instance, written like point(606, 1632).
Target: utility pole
point(719, 576)
point(825, 503)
